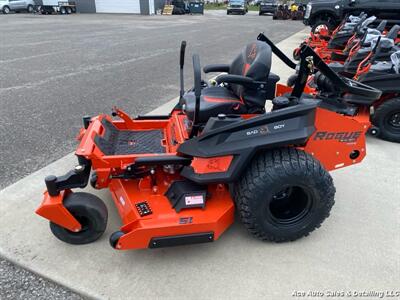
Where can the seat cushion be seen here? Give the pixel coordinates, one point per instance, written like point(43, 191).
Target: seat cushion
point(213, 101)
point(383, 67)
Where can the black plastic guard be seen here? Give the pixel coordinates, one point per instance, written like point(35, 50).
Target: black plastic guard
point(184, 194)
point(179, 240)
point(284, 127)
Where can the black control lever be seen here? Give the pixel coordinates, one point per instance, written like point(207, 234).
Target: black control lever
point(181, 65)
point(261, 37)
point(310, 60)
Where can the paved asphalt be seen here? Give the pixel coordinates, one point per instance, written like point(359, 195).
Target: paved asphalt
point(19, 284)
point(55, 69)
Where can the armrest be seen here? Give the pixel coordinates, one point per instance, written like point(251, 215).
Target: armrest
point(235, 79)
point(216, 68)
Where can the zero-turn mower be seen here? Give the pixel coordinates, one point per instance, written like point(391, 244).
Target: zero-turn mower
point(322, 37)
point(178, 179)
point(377, 66)
point(346, 40)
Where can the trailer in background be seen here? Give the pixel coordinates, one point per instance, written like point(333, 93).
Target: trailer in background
point(55, 6)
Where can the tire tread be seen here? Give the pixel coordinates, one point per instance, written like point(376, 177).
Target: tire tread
point(279, 162)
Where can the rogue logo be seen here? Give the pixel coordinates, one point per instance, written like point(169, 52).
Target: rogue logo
point(343, 137)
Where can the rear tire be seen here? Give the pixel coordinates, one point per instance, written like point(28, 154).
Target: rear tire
point(69, 10)
point(387, 119)
point(63, 11)
point(322, 23)
point(6, 10)
point(296, 54)
point(284, 195)
point(29, 9)
point(90, 211)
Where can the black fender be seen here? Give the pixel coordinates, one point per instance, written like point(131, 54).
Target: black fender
point(243, 139)
point(387, 83)
point(332, 13)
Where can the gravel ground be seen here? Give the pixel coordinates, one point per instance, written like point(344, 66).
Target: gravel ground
point(17, 283)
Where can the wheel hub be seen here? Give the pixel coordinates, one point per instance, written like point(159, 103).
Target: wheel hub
point(395, 120)
point(319, 27)
point(290, 205)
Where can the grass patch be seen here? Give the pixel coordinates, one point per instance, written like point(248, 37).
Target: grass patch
point(213, 6)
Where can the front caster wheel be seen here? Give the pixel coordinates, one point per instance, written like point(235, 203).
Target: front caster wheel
point(114, 238)
point(296, 54)
point(93, 180)
point(284, 195)
point(90, 212)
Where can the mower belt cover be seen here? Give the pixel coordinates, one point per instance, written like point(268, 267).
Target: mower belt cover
point(186, 194)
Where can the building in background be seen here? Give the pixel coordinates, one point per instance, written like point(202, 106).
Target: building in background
point(143, 7)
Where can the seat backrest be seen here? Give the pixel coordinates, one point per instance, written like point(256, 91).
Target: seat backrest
point(393, 33)
point(255, 62)
point(385, 44)
point(395, 58)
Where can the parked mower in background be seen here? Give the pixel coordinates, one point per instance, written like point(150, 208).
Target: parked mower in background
point(282, 12)
point(371, 56)
point(297, 11)
point(293, 12)
point(178, 179)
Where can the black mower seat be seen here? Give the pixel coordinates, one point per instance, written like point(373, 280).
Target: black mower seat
point(234, 98)
point(388, 67)
point(214, 101)
point(382, 67)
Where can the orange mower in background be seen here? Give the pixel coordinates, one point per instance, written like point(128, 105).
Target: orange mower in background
point(345, 40)
point(179, 178)
point(378, 66)
point(321, 37)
